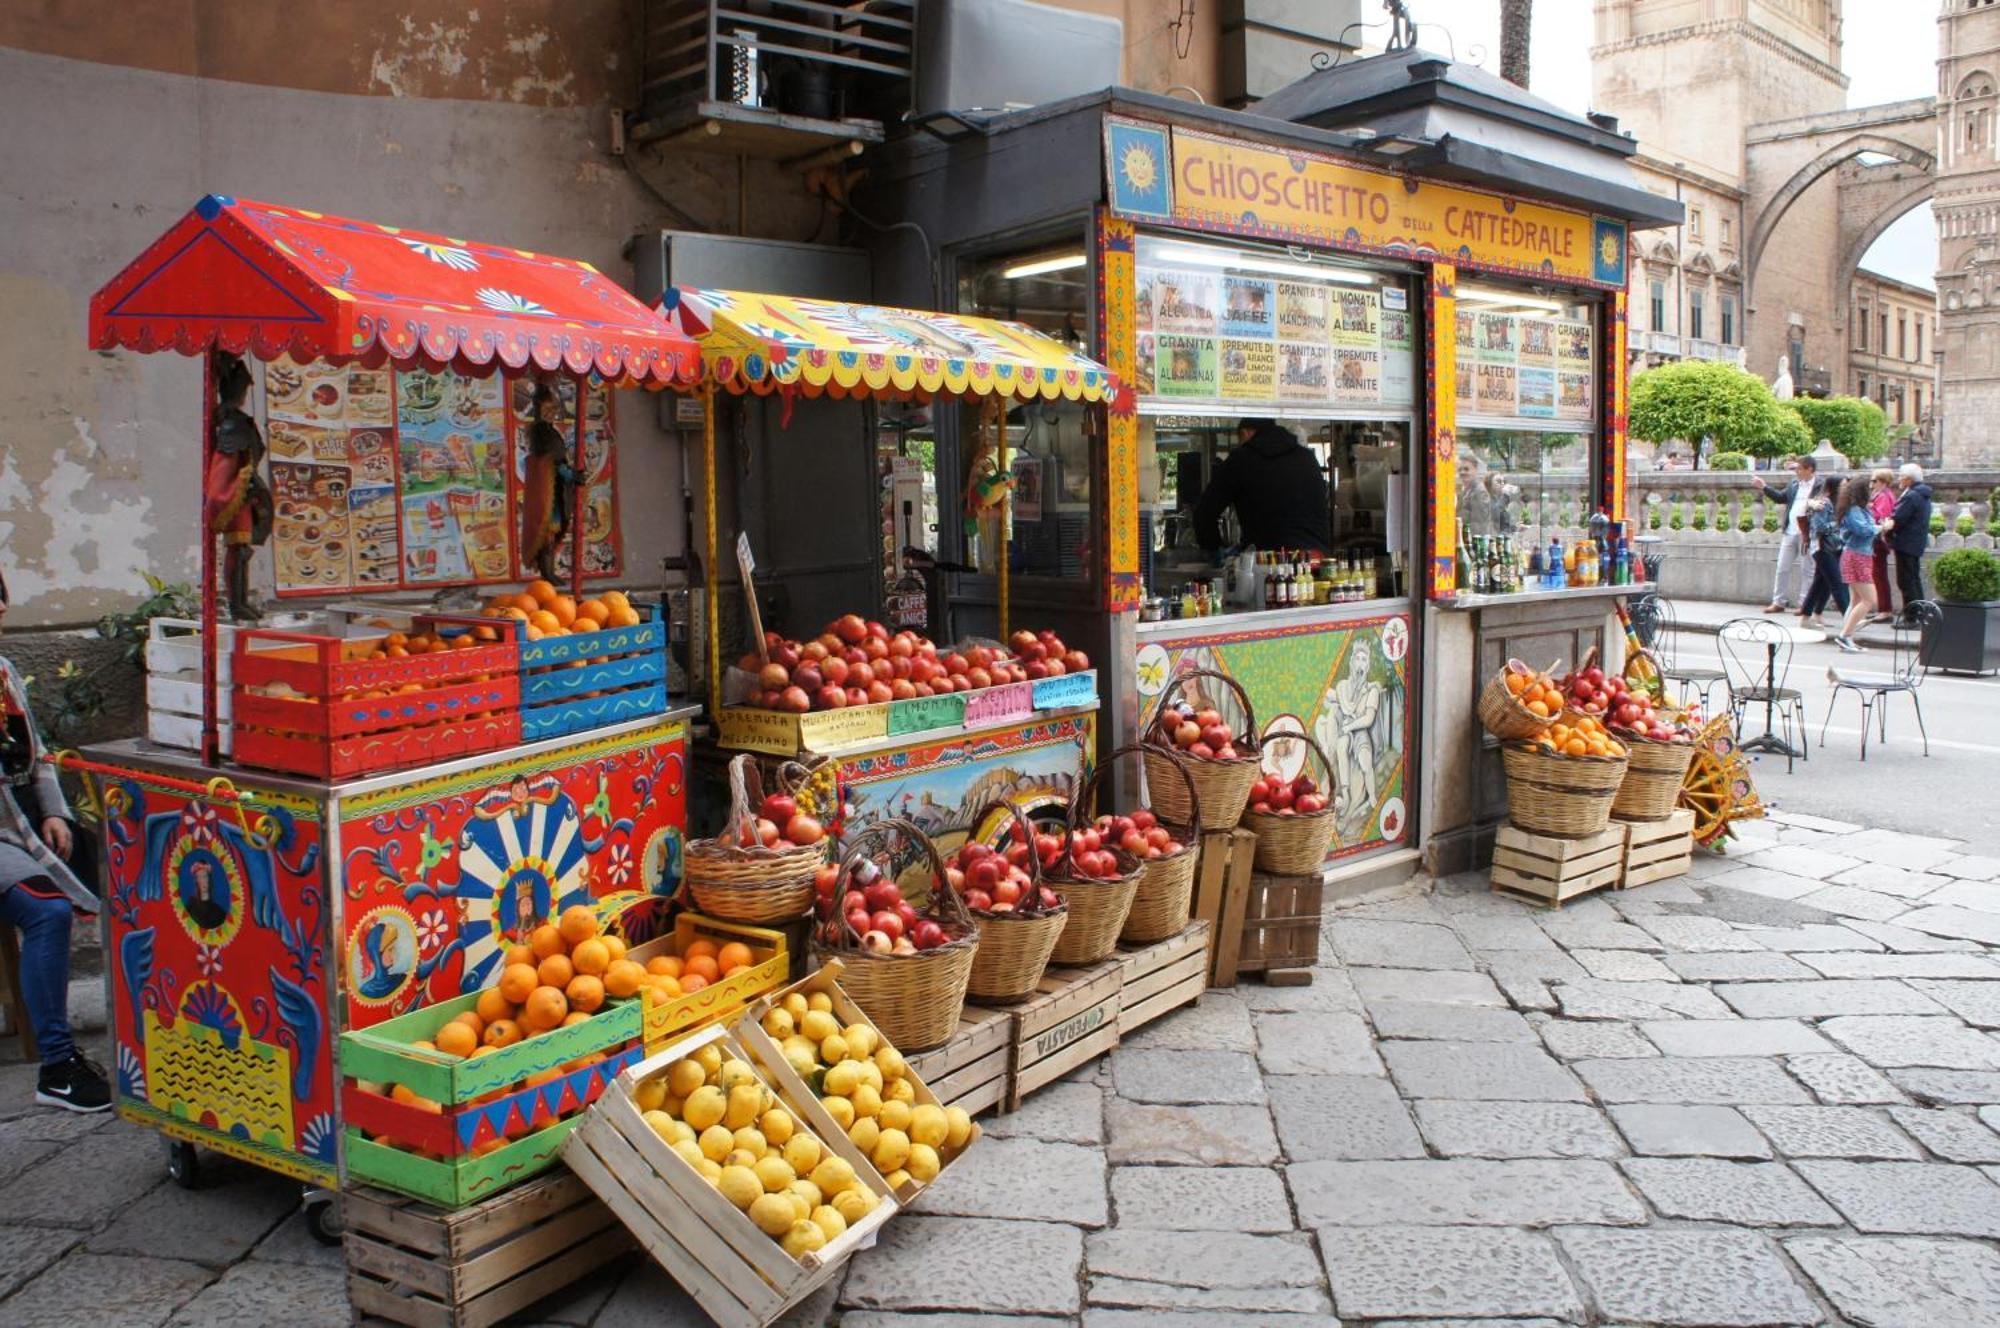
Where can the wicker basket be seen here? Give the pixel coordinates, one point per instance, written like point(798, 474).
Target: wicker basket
point(755, 884)
point(1014, 947)
point(1166, 884)
point(1294, 845)
point(1097, 905)
point(1654, 774)
point(1502, 713)
point(1565, 796)
point(915, 1000)
point(1223, 786)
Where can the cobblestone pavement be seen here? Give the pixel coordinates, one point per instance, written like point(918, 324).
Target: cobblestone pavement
point(1767, 1093)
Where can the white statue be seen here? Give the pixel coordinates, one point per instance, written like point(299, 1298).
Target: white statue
point(1781, 386)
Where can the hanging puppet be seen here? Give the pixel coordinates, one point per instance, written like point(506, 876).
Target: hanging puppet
point(547, 494)
point(238, 504)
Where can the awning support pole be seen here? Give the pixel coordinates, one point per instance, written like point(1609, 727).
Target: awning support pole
point(1006, 507)
point(209, 743)
point(579, 491)
point(711, 542)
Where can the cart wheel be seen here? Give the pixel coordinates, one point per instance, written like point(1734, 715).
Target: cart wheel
point(323, 1218)
point(184, 1164)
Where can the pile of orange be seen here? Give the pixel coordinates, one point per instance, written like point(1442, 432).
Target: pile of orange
point(1585, 736)
point(549, 612)
point(703, 962)
point(1537, 692)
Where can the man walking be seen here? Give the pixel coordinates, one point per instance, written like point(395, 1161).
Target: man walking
point(1796, 498)
point(1910, 535)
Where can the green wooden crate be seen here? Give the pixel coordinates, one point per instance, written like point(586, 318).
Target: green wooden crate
point(461, 1181)
point(382, 1053)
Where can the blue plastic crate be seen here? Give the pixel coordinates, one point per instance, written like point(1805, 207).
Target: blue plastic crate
point(565, 717)
point(555, 678)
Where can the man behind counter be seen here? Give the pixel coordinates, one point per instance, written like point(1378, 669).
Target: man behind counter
point(1274, 483)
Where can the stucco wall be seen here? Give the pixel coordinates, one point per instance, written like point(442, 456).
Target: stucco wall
point(96, 471)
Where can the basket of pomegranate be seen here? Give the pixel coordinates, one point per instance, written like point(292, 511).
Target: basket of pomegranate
point(1166, 855)
point(1019, 917)
point(1562, 782)
point(1659, 748)
point(1518, 702)
point(1095, 877)
point(760, 868)
point(1221, 764)
point(905, 962)
point(1293, 818)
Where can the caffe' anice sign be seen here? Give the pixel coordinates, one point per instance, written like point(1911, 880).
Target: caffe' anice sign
point(1207, 182)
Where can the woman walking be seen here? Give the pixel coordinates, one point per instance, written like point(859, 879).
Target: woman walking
point(1856, 531)
point(1881, 504)
point(1823, 542)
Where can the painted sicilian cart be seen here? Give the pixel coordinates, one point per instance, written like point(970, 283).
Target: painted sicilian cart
point(409, 795)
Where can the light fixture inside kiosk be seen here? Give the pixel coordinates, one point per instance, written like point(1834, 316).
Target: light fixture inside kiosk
point(1320, 348)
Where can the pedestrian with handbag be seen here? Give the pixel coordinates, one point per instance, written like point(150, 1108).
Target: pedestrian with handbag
point(1796, 498)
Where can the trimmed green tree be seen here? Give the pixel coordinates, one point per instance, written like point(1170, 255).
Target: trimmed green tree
point(1697, 399)
point(1856, 427)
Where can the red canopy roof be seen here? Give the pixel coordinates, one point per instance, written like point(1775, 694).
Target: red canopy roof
point(268, 280)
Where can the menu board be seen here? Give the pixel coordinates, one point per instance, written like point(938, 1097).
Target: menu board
point(602, 550)
point(1524, 366)
point(1217, 331)
point(386, 480)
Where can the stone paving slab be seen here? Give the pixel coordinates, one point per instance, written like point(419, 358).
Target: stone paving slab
point(1186, 1076)
point(1623, 966)
point(1850, 901)
point(1377, 1272)
point(1960, 923)
point(1897, 881)
point(129, 1291)
point(1219, 1021)
point(25, 1251)
point(1909, 1198)
point(1378, 943)
point(1893, 1282)
point(1686, 934)
point(1749, 964)
point(1681, 1131)
point(1314, 1043)
point(891, 1319)
point(1057, 1113)
point(1813, 936)
point(1915, 852)
point(1691, 1279)
point(255, 1295)
point(1955, 1136)
point(1850, 1132)
point(1765, 881)
point(1977, 1003)
point(1820, 998)
point(1207, 1270)
point(1517, 1129)
point(1465, 1192)
point(1594, 998)
point(1483, 934)
point(1969, 868)
point(1022, 1178)
point(1115, 1318)
point(1973, 1087)
point(1839, 1078)
point(1914, 1041)
point(1906, 940)
point(967, 1263)
point(1586, 1039)
point(1191, 1136)
point(1932, 965)
point(1720, 1080)
point(1432, 1021)
point(1487, 1071)
point(1798, 860)
point(1755, 1194)
point(215, 1225)
point(1342, 1118)
point(1734, 1037)
point(1248, 1199)
point(1412, 984)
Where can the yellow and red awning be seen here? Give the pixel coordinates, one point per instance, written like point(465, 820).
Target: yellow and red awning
point(772, 343)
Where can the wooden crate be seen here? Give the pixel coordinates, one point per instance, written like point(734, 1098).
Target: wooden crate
point(1547, 870)
point(1280, 923)
point(970, 1070)
point(667, 1018)
point(1221, 889)
point(736, 1273)
point(410, 1263)
point(1162, 977)
point(1658, 850)
point(1072, 1019)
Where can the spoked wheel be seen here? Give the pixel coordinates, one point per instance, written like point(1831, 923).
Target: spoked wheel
point(184, 1164)
point(323, 1216)
point(1717, 787)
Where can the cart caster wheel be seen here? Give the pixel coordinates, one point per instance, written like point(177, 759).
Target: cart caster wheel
point(323, 1220)
point(184, 1164)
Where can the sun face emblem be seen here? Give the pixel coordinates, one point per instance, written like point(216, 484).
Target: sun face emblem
point(1140, 168)
point(1607, 250)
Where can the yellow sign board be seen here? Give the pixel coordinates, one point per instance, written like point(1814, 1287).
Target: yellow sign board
point(1204, 181)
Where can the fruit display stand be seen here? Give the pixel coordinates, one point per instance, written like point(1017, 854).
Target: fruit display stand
point(1221, 895)
point(1072, 1019)
point(1163, 976)
point(409, 1263)
point(740, 1276)
point(1281, 921)
point(1658, 850)
point(253, 918)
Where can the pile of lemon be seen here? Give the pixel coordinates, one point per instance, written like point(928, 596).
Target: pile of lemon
point(726, 1123)
point(865, 1086)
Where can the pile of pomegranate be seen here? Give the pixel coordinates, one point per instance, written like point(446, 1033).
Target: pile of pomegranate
point(858, 662)
point(779, 821)
point(863, 898)
point(1274, 795)
point(1606, 697)
point(1139, 834)
point(1198, 733)
point(996, 881)
point(1091, 856)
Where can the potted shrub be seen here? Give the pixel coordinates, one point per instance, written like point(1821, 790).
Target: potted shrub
point(1968, 593)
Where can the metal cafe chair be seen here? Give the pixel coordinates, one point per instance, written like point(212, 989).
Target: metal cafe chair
point(1664, 641)
point(1757, 659)
point(1906, 674)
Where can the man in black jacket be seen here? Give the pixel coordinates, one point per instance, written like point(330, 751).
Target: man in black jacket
point(1910, 535)
point(1275, 484)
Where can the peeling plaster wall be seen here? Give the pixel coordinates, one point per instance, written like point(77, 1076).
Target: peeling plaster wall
point(97, 450)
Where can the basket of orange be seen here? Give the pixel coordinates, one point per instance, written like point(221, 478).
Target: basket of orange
point(1562, 782)
point(1519, 702)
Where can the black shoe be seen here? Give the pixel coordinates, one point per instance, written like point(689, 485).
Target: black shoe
point(73, 1085)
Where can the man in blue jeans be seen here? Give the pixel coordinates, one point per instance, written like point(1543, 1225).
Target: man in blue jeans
point(39, 894)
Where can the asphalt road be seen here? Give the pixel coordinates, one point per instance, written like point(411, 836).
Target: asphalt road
point(1954, 791)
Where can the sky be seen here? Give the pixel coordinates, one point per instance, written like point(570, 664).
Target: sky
point(1899, 38)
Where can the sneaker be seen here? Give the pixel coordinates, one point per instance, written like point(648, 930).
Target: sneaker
point(1847, 643)
point(1774, 607)
point(74, 1085)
